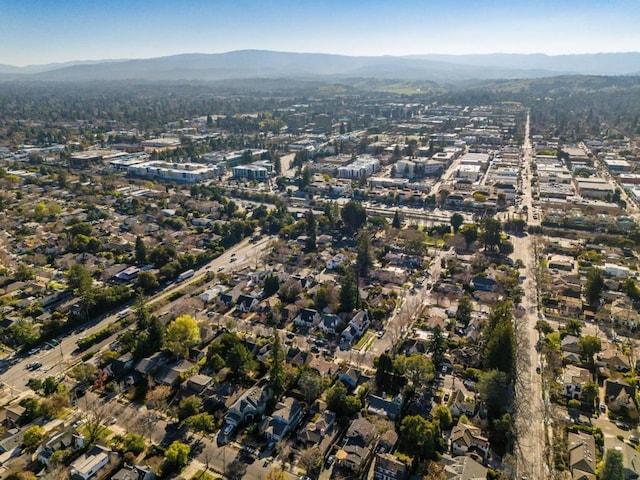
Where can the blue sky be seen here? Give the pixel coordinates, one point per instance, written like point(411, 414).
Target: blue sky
point(45, 31)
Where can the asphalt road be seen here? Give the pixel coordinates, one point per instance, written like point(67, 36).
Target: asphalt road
point(57, 360)
point(531, 453)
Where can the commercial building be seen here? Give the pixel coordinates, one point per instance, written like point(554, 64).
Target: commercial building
point(594, 187)
point(254, 171)
point(362, 166)
point(177, 172)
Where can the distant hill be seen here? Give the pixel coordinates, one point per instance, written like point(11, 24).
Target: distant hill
point(253, 64)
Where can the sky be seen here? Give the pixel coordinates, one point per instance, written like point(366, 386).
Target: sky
point(48, 31)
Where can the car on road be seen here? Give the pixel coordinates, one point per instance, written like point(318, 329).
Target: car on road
point(380, 334)
point(77, 424)
point(221, 268)
point(603, 407)
point(33, 365)
point(33, 351)
point(330, 460)
point(621, 425)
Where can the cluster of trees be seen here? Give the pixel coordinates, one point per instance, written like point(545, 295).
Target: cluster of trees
point(392, 374)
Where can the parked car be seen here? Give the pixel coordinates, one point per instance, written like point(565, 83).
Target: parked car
point(603, 407)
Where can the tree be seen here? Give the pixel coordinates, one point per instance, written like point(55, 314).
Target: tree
point(312, 232)
point(310, 384)
point(79, 279)
point(271, 285)
point(134, 443)
point(589, 346)
point(437, 345)
point(339, 402)
point(182, 333)
point(456, 221)
point(239, 360)
point(470, 234)
point(311, 459)
point(23, 332)
point(442, 416)
point(33, 436)
point(147, 281)
point(493, 388)
point(573, 327)
point(202, 423)
point(594, 287)
point(96, 415)
point(364, 259)
point(384, 372)
point(465, 308)
point(419, 437)
point(543, 327)
point(276, 372)
point(141, 251)
point(419, 370)
point(396, 223)
point(54, 404)
point(613, 467)
point(348, 291)
point(590, 393)
point(491, 233)
point(353, 216)
point(188, 407)
point(500, 350)
point(305, 178)
point(176, 456)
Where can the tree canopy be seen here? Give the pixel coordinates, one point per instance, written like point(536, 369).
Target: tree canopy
point(182, 333)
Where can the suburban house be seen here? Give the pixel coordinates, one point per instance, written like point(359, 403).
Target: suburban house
point(249, 406)
point(89, 464)
point(307, 318)
point(385, 407)
point(619, 396)
point(630, 457)
point(285, 417)
point(170, 375)
point(570, 344)
point(613, 360)
point(323, 367)
point(573, 379)
point(582, 455)
point(460, 405)
point(389, 467)
point(359, 444)
point(329, 323)
point(335, 261)
point(465, 439)
point(356, 327)
point(134, 472)
point(462, 468)
point(350, 377)
point(246, 303)
point(484, 284)
point(321, 432)
point(66, 439)
point(199, 383)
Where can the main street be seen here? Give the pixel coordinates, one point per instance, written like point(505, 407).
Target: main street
point(57, 360)
point(530, 450)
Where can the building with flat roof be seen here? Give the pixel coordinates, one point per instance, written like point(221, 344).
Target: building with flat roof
point(615, 164)
point(594, 187)
point(472, 172)
point(362, 166)
point(177, 172)
point(254, 171)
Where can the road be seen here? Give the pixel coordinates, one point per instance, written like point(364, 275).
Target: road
point(56, 361)
point(530, 449)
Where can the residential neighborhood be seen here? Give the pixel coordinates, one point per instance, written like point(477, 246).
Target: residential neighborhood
point(350, 287)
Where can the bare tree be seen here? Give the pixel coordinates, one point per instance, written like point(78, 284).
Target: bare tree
point(96, 415)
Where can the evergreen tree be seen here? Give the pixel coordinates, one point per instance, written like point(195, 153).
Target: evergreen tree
point(312, 232)
point(276, 372)
point(348, 291)
point(141, 250)
point(364, 260)
point(397, 223)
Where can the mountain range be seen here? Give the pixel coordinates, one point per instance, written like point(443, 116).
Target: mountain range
point(252, 64)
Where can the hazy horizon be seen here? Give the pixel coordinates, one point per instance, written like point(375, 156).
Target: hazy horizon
point(47, 31)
